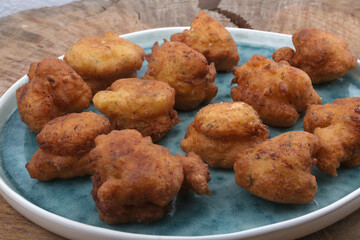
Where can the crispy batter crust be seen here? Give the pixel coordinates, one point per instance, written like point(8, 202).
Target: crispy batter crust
point(184, 69)
point(144, 105)
point(278, 169)
point(322, 55)
point(196, 174)
point(209, 37)
point(45, 166)
point(221, 130)
point(73, 133)
point(53, 90)
point(278, 92)
point(133, 176)
point(64, 144)
point(136, 180)
point(337, 125)
point(101, 61)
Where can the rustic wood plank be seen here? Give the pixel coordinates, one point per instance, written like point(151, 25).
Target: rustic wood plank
point(284, 16)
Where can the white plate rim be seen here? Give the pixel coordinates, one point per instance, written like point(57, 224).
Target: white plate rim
point(289, 229)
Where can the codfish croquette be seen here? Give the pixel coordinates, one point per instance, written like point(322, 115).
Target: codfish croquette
point(184, 69)
point(54, 89)
point(278, 92)
point(220, 131)
point(101, 61)
point(279, 169)
point(136, 180)
point(144, 105)
point(209, 37)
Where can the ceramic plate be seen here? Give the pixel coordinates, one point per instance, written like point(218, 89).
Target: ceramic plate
point(66, 207)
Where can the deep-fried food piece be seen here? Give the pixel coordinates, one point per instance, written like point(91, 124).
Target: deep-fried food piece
point(279, 169)
point(322, 55)
point(196, 173)
point(209, 37)
point(136, 180)
point(278, 92)
point(68, 91)
point(73, 133)
point(337, 125)
point(184, 69)
point(221, 130)
point(101, 61)
point(53, 90)
point(64, 144)
point(144, 105)
point(45, 166)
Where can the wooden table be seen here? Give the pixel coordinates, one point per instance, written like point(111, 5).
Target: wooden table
point(32, 35)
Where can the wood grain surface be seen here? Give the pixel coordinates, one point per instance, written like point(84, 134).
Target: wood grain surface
point(35, 34)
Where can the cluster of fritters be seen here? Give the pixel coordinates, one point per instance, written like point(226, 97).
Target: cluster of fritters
point(135, 179)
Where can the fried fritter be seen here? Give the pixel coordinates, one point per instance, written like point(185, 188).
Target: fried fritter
point(101, 61)
point(53, 90)
point(221, 130)
point(184, 69)
point(324, 56)
point(337, 125)
point(68, 91)
point(279, 168)
point(45, 166)
point(209, 37)
point(73, 133)
point(278, 92)
point(64, 144)
point(196, 174)
point(136, 180)
point(144, 105)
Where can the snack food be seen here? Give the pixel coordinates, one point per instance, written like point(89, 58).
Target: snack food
point(184, 69)
point(144, 105)
point(54, 89)
point(278, 169)
point(337, 125)
point(220, 131)
point(209, 37)
point(101, 61)
point(278, 92)
point(136, 180)
point(324, 56)
point(64, 144)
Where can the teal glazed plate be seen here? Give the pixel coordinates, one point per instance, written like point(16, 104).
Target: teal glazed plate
point(66, 208)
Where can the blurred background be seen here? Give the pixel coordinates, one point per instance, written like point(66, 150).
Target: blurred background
point(14, 6)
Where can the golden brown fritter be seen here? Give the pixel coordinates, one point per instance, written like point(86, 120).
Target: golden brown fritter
point(54, 89)
point(184, 69)
point(221, 130)
point(196, 174)
point(64, 144)
point(68, 91)
point(144, 105)
point(322, 55)
point(45, 166)
point(278, 92)
point(136, 180)
point(337, 125)
point(73, 133)
point(279, 168)
point(209, 37)
point(101, 61)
